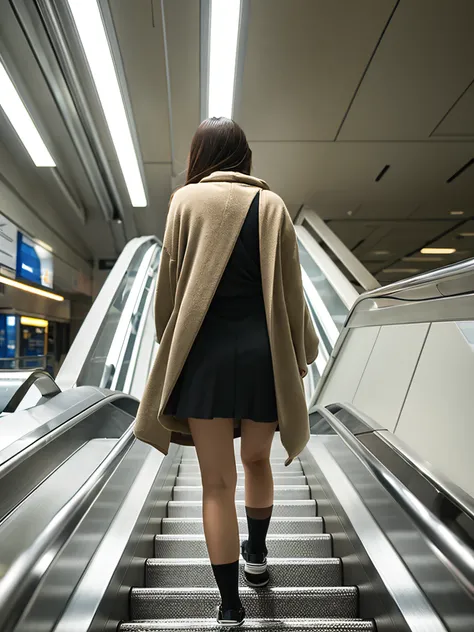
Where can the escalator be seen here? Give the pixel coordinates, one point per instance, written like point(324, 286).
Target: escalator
point(306, 590)
point(99, 532)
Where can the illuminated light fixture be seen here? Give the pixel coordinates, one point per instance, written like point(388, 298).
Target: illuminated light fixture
point(381, 253)
point(89, 24)
point(402, 271)
point(466, 234)
point(22, 123)
point(438, 251)
point(224, 37)
point(34, 322)
point(29, 288)
point(456, 212)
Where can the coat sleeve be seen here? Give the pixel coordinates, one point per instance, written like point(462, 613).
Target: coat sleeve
point(304, 336)
point(165, 285)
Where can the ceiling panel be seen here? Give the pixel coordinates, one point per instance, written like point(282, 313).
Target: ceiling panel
point(303, 62)
point(140, 34)
point(183, 43)
point(422, 66)
point(459, 121)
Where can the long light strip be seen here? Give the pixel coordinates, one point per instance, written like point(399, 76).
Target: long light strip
point(438, 251)
point(34, 322)
point(224, 37)
point(30, 288)
point(22, 123)
point(89, 24)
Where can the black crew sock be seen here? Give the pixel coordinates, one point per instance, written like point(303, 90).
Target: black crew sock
point(227, 579)
point(258, 521)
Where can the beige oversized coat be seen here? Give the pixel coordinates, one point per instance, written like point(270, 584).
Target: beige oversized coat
point(203, 225)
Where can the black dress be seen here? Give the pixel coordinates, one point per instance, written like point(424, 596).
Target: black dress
point(228, 372)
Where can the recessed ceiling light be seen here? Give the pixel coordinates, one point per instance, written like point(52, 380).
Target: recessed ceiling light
point(456, 212)
point(381, 253)
point(402, 270)
point(224, 38)
point(437, 251)
point(89, 24)
point(19, 117)
point(29, 288)
point(466, 234)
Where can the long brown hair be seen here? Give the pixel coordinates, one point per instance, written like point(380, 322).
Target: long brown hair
point(219, 144)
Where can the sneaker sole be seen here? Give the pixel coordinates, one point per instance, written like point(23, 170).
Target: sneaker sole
point(255, 569)
point(230, 624)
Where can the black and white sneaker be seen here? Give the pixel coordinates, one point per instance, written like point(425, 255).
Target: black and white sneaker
point(255, 570)
point(230, 618)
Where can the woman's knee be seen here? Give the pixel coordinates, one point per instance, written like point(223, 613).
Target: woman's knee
point(255, 460)
point(219, 483)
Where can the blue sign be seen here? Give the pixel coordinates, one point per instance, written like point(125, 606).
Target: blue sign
point(34, 263)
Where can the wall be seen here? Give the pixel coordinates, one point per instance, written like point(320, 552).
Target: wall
point(417, 381)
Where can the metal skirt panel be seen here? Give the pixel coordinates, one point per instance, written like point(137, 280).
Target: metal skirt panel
point(155, 603)
point(283, 573)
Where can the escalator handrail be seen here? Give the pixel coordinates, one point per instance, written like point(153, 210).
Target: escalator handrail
point(459, 556)
point(24, 453)
point(20, 582)
point(39, 378)
point(80, 349)
point(449, 489)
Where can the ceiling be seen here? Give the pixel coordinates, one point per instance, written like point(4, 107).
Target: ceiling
point(329, 93)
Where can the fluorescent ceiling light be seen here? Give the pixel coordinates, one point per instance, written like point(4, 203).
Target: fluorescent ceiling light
point(437, 251)
point(22, 123)
point(456, 212)
point(89, 24)
point(224, 36)
point(381, 253)
point(34, 322)
point(30, 289)
point(466, 234)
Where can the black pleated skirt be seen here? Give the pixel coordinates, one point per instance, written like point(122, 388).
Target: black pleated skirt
point(228, 373)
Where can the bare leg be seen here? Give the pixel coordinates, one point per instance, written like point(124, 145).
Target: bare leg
point(214, 443)
point(256, 444)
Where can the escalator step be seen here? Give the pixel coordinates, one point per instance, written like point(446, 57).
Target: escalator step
point(191, 526)
point(274, 460)
point(267, 625)
point(294, 492)
point(281, 479)
point(182, 546)
point(170, 603)
point(192, 469)
point(175, 573)
point(193, 509)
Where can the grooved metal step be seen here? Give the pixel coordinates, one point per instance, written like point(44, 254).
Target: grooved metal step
point(267, 625)
point(274, 460)
point(294, 492)
point(295, 479)
point(170, 603)
point(193, 509)
point(296, 572)
point(183, 546)
point(192, 468)
point(192, 526)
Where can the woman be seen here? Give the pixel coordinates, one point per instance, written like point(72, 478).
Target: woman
point(235, 341)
